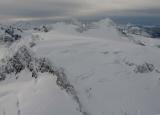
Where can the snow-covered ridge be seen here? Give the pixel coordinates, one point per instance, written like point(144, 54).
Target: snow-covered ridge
point(24, 60)
point(80, 68)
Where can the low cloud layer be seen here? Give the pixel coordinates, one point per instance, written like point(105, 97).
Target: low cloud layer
point(36, 9)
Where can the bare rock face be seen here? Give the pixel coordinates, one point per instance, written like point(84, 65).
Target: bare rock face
point(10, 34)
point(42, 29)
point(83, 27)
point(144, 68)
point(23, 59)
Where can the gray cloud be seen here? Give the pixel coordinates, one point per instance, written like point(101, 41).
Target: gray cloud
point(135, 12)
point(38, 9)
point(77, 8)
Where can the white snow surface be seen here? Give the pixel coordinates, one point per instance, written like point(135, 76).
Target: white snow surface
point(95, 63)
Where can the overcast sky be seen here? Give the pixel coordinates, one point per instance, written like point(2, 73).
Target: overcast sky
point(43, 9)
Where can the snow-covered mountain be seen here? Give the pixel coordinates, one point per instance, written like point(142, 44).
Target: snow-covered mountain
point(147, 31)
point(79, 68)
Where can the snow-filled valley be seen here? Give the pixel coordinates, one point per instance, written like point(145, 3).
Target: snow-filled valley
point(79, 69)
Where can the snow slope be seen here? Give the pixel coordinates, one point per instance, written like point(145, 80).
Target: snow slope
point(35, 98)
point(112, 74)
